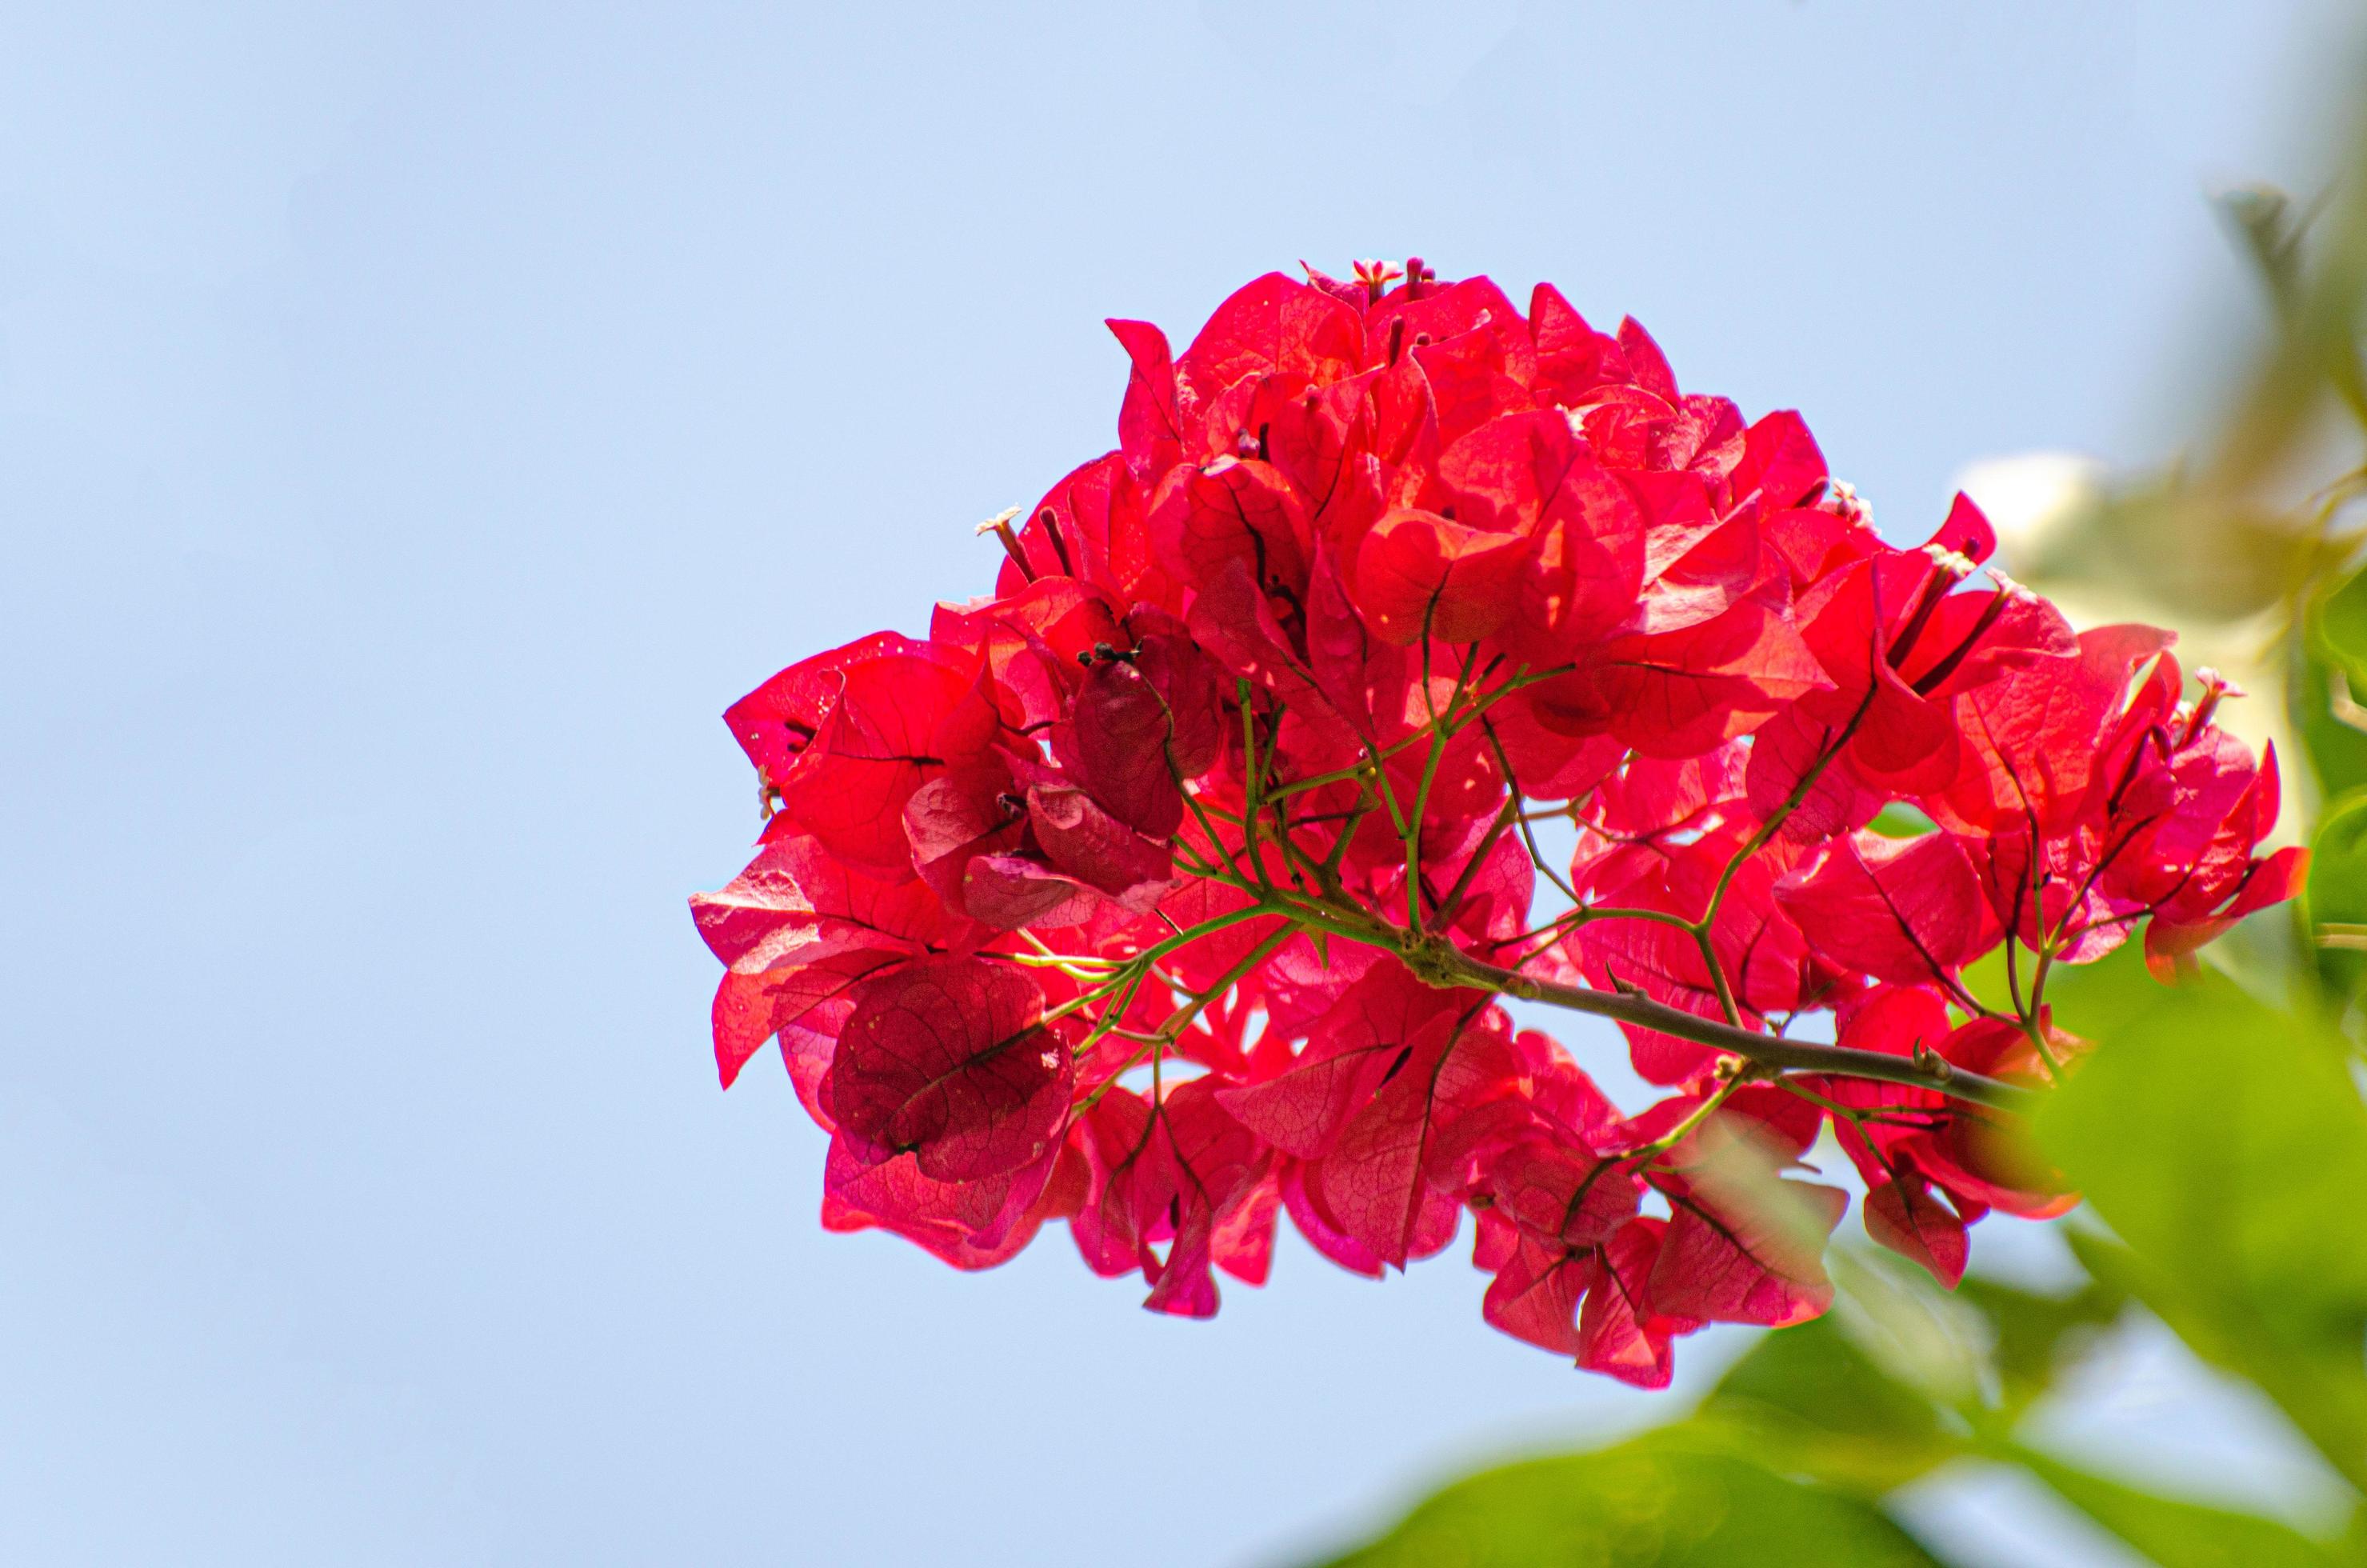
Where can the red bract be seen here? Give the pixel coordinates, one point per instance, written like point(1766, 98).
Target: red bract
point(948, 1060)
point(1180, 881)
point(1907, 911)
point(1173, 1169)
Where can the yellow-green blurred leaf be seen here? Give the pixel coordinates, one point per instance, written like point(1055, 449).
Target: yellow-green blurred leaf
point(1819, 1405)
point(2337, 894)
point(2031, 1336)
point(2175, 1533)
point(2329, 710)
point(1660, 1502)
point(2342, 625)
point(2227, 1144)
point(2092, 1000)
point(1901, 819)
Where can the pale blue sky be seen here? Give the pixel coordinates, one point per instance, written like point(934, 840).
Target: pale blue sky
point(416, 424)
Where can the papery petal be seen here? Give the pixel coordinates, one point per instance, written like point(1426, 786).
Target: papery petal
point(1904, 1216)
point(1418, 575)
point(944, 1058)
point(1535, 1294)
point(1621, 1330)
point(1910, 910)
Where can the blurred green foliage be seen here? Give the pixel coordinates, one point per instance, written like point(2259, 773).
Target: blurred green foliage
point(2218, 1129)
point(2336, 896)
point(1674, 1496)
point(2225, 1143)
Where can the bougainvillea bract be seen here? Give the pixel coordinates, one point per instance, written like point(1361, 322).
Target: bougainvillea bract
point(1180, 882)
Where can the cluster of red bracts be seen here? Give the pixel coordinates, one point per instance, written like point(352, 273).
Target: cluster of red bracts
point(1134, 894)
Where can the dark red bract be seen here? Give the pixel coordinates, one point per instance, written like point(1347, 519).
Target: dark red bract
point(1180, 882)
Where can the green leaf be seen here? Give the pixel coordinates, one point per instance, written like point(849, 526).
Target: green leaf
point(2174, 1533)
point(2227, 1144)
point(2336, 896)
point(1664, 1501)
point(1810, 1395)
point(2032, 1335)
point(2315, 688)
point(1899, 820)
point(2342, 627)
point(2352, 1548)
point(2094, 1000)
point(2089, 999)
point(1984, 978)
point(2326, 685)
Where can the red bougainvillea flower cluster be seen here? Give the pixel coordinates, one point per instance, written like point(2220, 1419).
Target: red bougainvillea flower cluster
point(1180, 881)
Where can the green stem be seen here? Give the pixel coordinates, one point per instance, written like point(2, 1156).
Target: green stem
point(1765, 1051)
